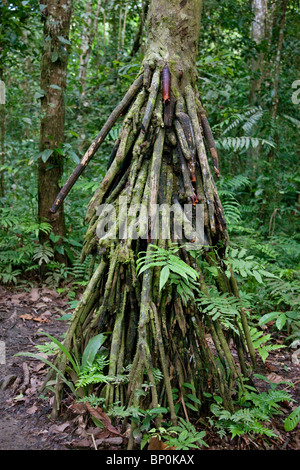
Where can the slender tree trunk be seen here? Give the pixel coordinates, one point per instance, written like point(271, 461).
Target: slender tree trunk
point(275, 99)
point(259, 23)
point(164, 155)
point(90, 30)
point(2, 125)
point(276, 75)
point(56, 16)
point(124, 24)
point(139, 34)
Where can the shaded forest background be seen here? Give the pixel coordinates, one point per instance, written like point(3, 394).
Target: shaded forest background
point(256, 132)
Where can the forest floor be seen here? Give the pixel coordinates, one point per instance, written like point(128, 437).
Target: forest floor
point(25, 413)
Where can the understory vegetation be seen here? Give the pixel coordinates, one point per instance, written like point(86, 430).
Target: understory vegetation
point(259, 188)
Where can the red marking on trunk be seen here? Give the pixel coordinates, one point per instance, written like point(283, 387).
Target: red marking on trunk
point(166, 84)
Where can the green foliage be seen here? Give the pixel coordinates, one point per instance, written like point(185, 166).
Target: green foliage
point(262, 343)
point(173, 270)
point(223, 307)
point(92, 400)
point(246, 266)
point(292, 420)
point(185, 398)
point(183, 436)
point(93, 373)
point(254, 411)
point(88, 371)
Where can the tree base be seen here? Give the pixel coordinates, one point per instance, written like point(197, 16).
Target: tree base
point(160, 158)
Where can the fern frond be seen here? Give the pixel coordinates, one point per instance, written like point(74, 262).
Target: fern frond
point(241, 143)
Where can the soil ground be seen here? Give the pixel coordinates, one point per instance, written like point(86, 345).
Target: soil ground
point(25, 412)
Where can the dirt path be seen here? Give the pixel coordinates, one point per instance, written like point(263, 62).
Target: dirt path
point(25, 415)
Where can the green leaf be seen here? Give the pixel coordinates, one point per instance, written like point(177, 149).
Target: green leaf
point(268, 317)
point(97, 422)
point(213, 270)
point(218, 399)
point(188, 385)
point(257, 276)
point(39, 94)
point(281, 321)
point(54, 56)
point(164, 276)
point(158, 410)
point(91, 349)
point(46, 154)
point(292, 420)
point(192, 407)
point(64, 350)
point(194, 399)
point(63, 40)
point(66, 317)
point(74, 156)
point(263, 354)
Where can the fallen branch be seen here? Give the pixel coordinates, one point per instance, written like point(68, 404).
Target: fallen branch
point(131, 93)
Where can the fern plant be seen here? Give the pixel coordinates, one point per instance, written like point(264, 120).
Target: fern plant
point(228, 189)
point(43, 253)
point(261, 343)
point(254, 411)
point(242, 143)
point(10, 275)
point(218, 306)
point(246, 265)
point(183, 436)
point(173, 270)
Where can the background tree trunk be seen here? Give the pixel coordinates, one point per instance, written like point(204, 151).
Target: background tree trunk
point(275, 98)
point(91, 27)
point(259, 24)
point(2, 126)
point(139, 34)
point(56, 17)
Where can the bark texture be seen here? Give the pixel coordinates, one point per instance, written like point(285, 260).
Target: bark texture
point(56, 18)
point(259, 29)
point(164, 155)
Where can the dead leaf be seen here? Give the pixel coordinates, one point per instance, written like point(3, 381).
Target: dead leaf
point(82, 443)
point(275, 378)
point(79, 407)
point(34, 294)
point(26, 316)
point(99, 414)
point(32, 410)
point(110, 441)
point(157, 444)
point(59, 428)
point(29, 316)
point(270, 367)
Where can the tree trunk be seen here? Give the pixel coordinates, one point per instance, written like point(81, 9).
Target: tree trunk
point(90, 29)
point(139, 34)
point(275, 99)
point(2, 126)
point(276, 75)
point(259, 24)
point(56, 17)
point(160, 157)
